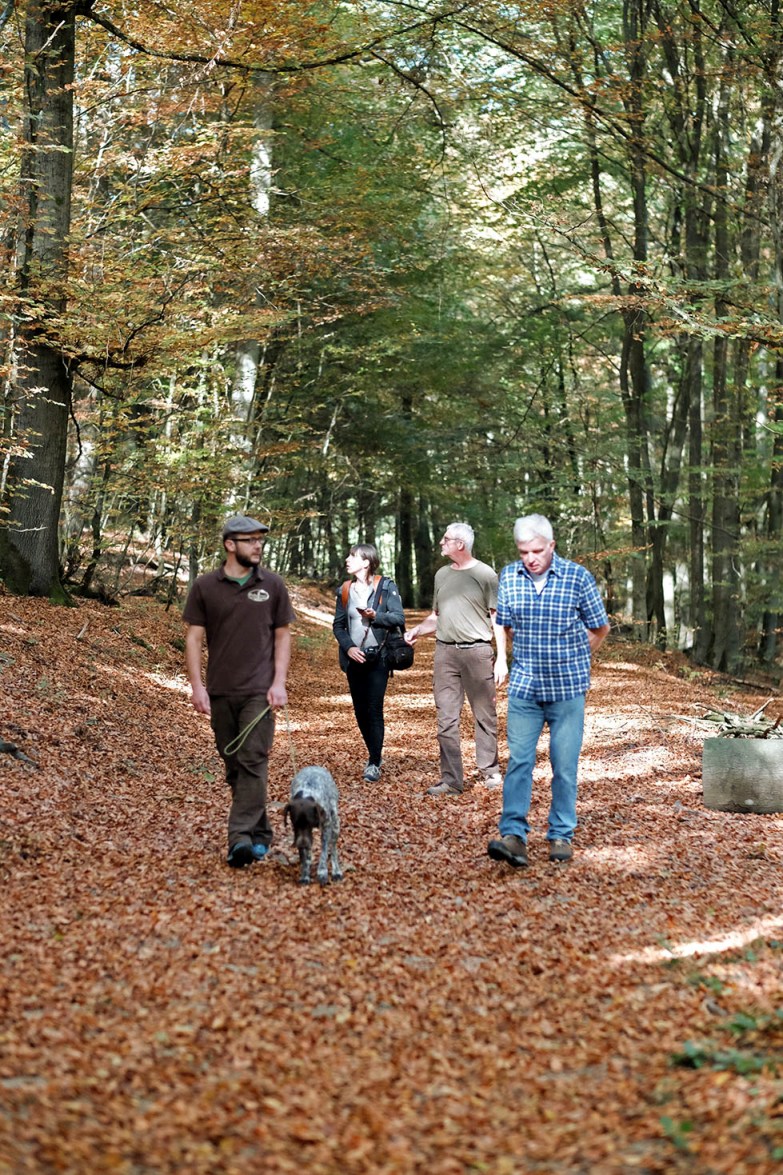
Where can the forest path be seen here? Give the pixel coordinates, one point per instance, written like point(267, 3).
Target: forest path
point(434, 1012)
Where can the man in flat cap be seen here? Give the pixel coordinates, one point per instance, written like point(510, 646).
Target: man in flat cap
point(244, 613)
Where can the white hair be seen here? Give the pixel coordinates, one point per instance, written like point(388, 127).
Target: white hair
point(533, 526)
point(463, 532)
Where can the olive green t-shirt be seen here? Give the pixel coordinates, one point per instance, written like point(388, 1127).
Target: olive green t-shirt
point(463, 601)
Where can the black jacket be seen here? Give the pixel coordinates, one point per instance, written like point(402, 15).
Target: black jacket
point(388, 615)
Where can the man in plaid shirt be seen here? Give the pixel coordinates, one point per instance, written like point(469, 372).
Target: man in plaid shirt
point(556, 618)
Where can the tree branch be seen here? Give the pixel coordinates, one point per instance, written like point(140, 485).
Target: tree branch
point(350, 54)
point(610, 121)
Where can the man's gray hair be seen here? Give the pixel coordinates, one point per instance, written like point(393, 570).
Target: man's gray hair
point(533, 526)
point(463, 532)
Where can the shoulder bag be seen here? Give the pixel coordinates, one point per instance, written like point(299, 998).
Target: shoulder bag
point(395, 650)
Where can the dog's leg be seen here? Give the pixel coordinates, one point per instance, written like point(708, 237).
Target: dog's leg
point(304, 866)
point(337, 873)
point(323, 863)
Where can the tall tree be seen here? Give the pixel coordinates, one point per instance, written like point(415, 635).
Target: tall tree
point(40, 397)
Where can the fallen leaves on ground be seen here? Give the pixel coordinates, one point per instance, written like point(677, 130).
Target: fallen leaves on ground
point(436, 1011)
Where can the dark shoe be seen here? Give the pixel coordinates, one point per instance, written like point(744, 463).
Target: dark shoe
point(259, 851)
point(372, 773)
point(511, 849)
point(443, 789)
point(241, 855)
point(560, 850)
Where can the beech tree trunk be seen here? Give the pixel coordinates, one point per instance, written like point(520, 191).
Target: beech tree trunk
point(425, 556)
point(249, 351)
point(403, 570)
point(726, 643)
point(29, 548)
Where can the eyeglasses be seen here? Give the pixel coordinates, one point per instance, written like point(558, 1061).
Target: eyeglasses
point(448, 539)
point(253, 542)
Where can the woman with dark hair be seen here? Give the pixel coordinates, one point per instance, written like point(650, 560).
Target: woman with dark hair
point(367, 607)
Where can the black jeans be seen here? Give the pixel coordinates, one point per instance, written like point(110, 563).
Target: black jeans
point(367, 684)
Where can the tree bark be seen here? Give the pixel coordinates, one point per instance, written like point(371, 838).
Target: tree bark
point(726, 635)
point(249, 351)
point(425, 556)
point(29, 548)
point(403, 570)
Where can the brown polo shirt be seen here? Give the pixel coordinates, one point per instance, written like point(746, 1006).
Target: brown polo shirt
point(240, 623)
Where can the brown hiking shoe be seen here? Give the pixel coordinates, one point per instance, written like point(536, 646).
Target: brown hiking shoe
point(511, 849)
point(560, 850)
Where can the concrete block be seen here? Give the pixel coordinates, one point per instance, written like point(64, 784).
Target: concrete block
point(743, 774)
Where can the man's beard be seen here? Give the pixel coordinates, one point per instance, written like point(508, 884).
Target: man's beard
point(246, 560)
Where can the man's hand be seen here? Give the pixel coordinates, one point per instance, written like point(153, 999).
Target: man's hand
point(277, 696)
point(356, 654)
point(501, 670)
point(200, 700)
point(597, 636)
point(428, 625)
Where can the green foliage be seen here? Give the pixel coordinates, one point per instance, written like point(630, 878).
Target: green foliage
point(678, 1133)
point(701, 1055)
point(408, 286)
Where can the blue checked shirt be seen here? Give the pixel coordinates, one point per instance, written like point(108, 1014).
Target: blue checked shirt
point(551, 654)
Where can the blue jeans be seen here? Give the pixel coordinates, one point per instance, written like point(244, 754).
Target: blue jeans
point(526, 720)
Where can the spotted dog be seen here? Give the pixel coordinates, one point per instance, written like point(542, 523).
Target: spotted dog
point(313, 804)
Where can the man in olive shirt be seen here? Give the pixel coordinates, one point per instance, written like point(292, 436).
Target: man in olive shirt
point(244, 613)
point(464, 604)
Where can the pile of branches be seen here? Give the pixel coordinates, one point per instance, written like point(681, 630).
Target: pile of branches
point(739, 726)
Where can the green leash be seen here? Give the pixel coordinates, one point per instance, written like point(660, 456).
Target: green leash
point(290, 739)
point(232, 747)
point(235, 744)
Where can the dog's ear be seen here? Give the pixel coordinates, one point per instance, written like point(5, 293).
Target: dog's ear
point(286, 814)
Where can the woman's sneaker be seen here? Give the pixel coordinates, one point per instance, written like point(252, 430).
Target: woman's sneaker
point(372, 773)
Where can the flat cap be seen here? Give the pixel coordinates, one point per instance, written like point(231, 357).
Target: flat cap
point(241, 524)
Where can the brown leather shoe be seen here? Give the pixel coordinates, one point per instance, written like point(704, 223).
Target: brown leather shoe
point(443, 789)
point(561, 851)
point(511, 849)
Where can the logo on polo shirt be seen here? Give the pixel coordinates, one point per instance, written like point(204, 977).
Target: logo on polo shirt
point(258, 595)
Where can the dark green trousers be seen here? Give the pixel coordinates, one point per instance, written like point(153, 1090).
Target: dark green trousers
point(247, 768)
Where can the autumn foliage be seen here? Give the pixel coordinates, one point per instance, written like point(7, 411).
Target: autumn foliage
point(434, 1012)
